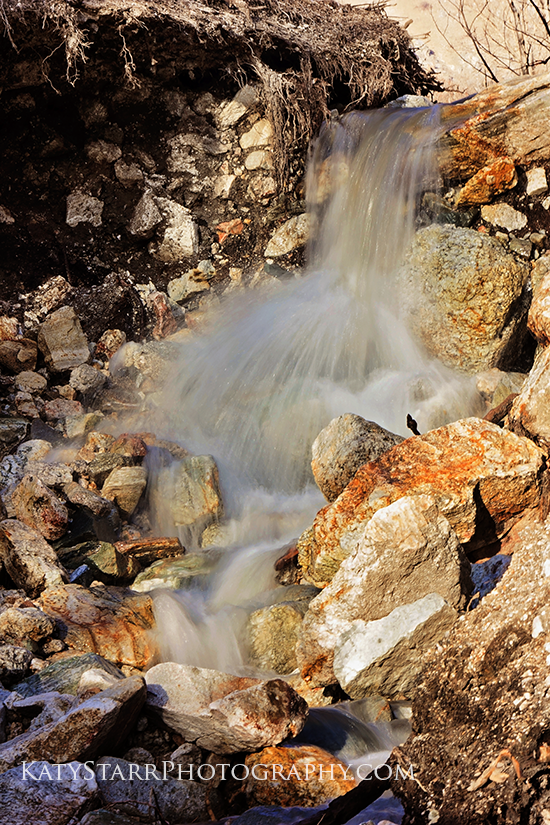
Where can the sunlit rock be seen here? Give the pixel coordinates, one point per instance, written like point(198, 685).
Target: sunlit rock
point(530, 413)
point(62, 341)
point(306, 776)
point(38, 507)
point(30, 561)
point(481, 477)
point(110, 621)
point(342, 447)
point(461, 296)
point(407, 551)
point(221, 712)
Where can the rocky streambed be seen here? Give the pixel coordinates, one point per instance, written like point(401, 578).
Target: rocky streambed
point(418, 591)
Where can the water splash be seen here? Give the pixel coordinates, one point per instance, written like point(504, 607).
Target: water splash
point(256, 390)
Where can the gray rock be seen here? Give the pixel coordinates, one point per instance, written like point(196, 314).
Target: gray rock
point(65, 675)
point(12, 430)
point(86, 379)
point(180, 236)
point(273, 631)
point(39, 507)
point(32, 382)
point(384, 656)
point(68, 791)
point(291, 235)
point(21, 625)
point(128, 788)
point(124, 486)
point(14, 662)
point(83, 208)
point(191, 489)
point(174, 574)
point(30, 561)
point(105, 515)
point(221, 712)
point(62, 342)
point(530, 412)
point(146, 216)
point(505, 216)
point(342, 447)
point(83, 731)
point(408, 550)
point(188, 284)
point(460, 288)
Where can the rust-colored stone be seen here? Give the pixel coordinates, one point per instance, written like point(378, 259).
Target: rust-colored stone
point(482, 478)
point(146, 551)
point(111, 621)
point(490, 181)
point(306, 776)
point(130, 445)
point(165, 324)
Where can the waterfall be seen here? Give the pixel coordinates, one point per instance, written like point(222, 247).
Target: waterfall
point(278, 365)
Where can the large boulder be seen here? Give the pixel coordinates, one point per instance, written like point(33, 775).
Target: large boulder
point(538, 320)
point(221, 712)
point(481, 477)
point(462, 296)
point(38, 507)
point(342, 447)
point(408, 552)
point(483, 698)
point(83, 731)
point(46, 794)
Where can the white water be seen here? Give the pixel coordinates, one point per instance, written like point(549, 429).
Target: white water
point(278, 366)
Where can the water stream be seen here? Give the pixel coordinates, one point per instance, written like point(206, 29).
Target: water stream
point(279, 364)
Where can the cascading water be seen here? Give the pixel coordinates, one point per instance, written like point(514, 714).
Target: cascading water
point(277, 366)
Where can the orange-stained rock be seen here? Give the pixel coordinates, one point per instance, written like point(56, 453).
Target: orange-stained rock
point(146, 551)
point(490, 181)
point(306, 776)
point(506, 120)
point(130, 445)
point(481, 477)
point(539, 312)
point(111, 621)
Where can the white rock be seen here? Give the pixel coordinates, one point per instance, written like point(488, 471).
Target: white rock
point(222, 185)
point(259, 159)
point(291, 235)
point(231, 111)
point(505, 216)
point(260, 135)
point(180, 238)
point(383, 656)
point(83, 208)
point(536, 181)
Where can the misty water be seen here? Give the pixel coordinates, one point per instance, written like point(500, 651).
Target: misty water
point(278, 364)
